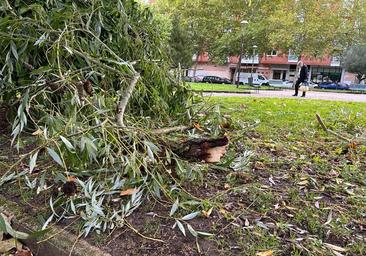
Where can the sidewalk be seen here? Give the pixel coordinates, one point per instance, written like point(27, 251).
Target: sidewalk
point(314, 95)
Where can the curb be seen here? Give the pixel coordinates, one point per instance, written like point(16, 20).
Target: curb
point(59, 245)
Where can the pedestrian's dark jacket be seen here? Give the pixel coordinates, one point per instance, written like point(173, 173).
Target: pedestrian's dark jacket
point(303, 74)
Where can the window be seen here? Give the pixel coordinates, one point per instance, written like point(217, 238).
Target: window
point(272, 53)
point(277, 74)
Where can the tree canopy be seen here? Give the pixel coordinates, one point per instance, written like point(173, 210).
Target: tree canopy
point(354, 61)
point(311, 27)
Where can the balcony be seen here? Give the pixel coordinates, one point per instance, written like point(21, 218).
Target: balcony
point(250, 59)
point(335, 62)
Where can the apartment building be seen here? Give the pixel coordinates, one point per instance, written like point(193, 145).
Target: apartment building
point(277, 66)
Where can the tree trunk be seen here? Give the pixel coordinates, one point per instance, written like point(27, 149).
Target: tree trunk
point(235, 77)
point(196, 64)
point(121, 108)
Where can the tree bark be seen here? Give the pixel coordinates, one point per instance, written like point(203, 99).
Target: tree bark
point(121, 107)
point(196, 64)
point(171, 129)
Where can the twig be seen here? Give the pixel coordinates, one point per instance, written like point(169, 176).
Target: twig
point(73, 246)
point(322, 124)
point(125, 98)
point(171, 129)
point(143, 236)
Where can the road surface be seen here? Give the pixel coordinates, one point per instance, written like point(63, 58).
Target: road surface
point(313, 95)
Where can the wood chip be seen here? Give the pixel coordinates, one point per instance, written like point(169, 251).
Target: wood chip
point(128, 192)
point(266, 253)
point(9, 244)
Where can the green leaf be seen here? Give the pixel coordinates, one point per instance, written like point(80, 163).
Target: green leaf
point(192, 231)
point(4, 224)
point(55, 156)
point(181, 227)
point(14, 50)
point(204, 233)
point(47, 222)
point(32, 162)
point(39, 233)
point(67, 143)
point(190, 216)
point(174, 207)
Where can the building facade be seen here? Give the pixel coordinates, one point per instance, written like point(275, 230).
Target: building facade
point(276, 66)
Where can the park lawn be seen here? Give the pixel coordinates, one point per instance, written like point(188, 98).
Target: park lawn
point(304, 192)
point(226, 87)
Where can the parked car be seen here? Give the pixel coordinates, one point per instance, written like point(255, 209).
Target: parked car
point(333, 86)
point(215, 80)
point(358, 87)
point(198, 79)
point(258, 79)
point(187, 78)
point(280, 83)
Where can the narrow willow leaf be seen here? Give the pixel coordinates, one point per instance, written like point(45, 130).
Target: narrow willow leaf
point(192, 231)
point(14, 50)
point(47, 222)
point(55, 156)
point(174, 207)
point(4, 224)
point(204, 233)
point(32, 162)
point(67, 143)
point(190, 216)
point(181, 227)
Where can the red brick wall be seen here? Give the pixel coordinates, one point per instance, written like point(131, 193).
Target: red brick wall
point(211, 70)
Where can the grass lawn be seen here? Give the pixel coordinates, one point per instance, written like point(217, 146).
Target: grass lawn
point(301, 192)
point(305, 190)
point(226, 87)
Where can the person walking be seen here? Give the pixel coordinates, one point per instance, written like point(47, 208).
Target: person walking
point(302, 77)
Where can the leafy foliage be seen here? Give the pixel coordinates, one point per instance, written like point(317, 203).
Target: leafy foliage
point(354, 61)
point(65, 66)
point(180, 44)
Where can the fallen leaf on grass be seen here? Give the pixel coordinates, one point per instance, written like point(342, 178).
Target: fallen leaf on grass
point(208, 213)
point(246, 223)
point(266, 253)
point(335, 247)
point(39, 132)
point(223, 211)
point(198, 126)
point(330, 218)
point(303, 183)
point(128, 192)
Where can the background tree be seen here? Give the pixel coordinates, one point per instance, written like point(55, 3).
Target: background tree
point(181, 48)
point(354, 61)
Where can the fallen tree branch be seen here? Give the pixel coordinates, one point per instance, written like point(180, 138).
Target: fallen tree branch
point(322, 124)
point(121, 108)
point(166, 130)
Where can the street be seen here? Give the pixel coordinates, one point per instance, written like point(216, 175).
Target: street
point(312, 95)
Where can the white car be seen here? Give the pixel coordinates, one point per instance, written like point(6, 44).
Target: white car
point(258, 79)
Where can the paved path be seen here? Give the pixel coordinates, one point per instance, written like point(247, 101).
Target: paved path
point(333, 96)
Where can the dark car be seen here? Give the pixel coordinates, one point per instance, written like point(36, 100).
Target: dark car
point(215, 80)
point(333, 86)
